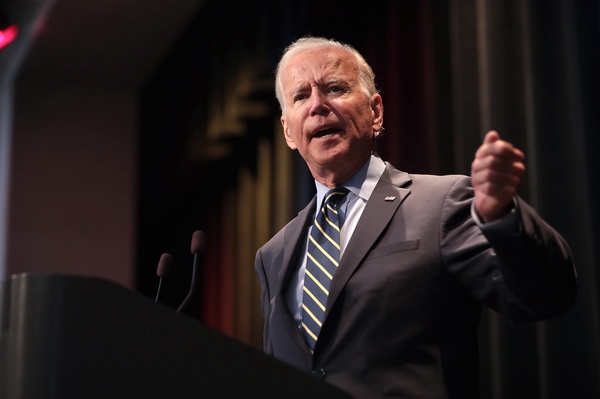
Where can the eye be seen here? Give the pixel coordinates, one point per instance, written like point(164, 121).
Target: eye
point(337, 89)
point(299, 97)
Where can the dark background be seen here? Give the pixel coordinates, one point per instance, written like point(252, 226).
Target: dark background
point(448, 71)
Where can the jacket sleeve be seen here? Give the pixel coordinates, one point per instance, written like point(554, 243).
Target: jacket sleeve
point(526, 275)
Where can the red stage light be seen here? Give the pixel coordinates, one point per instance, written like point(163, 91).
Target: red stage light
point(7, 35)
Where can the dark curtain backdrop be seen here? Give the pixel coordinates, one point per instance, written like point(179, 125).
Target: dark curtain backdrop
point(211, 155)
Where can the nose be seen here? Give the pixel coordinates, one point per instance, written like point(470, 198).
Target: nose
point(318, 103)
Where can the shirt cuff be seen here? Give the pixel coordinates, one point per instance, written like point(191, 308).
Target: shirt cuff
point(508, 225)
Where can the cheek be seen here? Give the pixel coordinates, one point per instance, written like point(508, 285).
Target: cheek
point(363, 121)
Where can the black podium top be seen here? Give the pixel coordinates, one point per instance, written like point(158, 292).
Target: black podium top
point(68, 337)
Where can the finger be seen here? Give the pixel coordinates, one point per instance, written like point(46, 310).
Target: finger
point(506, 151)
point(497, 178)
point(499, 164)
point(500, 149)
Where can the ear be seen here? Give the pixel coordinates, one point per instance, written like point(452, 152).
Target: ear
point(286, 132)
point(377, 109)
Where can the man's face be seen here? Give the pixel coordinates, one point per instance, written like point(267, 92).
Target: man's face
point(328, 118)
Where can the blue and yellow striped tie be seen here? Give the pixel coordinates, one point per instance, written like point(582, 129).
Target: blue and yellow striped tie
point(323, 255)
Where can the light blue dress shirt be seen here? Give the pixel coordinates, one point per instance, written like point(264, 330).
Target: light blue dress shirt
point(361, 185)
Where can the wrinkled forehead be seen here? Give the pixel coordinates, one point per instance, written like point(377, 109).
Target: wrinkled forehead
point(319, 65)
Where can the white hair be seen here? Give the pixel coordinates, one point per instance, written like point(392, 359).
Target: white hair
point(366, 77)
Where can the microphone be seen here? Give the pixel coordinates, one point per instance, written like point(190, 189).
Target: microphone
point(197, 247)
point(163, 270)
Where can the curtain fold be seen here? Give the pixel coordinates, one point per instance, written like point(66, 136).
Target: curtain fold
point(448, 71)
point(522, 68)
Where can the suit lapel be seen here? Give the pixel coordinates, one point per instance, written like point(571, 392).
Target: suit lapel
point(293, 241)
point(381, 207)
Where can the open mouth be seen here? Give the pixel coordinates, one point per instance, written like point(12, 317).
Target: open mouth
point(326, 132)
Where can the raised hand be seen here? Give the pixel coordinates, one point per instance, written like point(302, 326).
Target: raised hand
point(496, 174)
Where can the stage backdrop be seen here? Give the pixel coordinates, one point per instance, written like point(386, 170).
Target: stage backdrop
point(212, 155)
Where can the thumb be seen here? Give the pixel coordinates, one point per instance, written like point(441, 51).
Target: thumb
point(490, 137)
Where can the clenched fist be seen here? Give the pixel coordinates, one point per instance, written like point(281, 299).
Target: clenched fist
point(496, 174)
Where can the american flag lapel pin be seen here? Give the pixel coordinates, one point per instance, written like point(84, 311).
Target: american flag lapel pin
point(390, 198)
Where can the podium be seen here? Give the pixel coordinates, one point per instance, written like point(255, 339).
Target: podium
point(69, 337)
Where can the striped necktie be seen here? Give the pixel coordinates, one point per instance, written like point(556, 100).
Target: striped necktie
point(323, 255)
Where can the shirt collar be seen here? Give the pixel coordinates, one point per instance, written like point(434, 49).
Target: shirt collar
point(362, 183)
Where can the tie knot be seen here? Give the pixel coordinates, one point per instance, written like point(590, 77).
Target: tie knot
point(335, 195)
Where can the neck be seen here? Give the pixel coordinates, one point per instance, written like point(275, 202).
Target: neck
point(335, 177)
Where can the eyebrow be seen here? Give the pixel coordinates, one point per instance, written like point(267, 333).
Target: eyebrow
point(331, 80)
point(297, 89)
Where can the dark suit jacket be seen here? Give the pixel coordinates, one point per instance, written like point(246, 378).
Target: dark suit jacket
point(404, 305)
